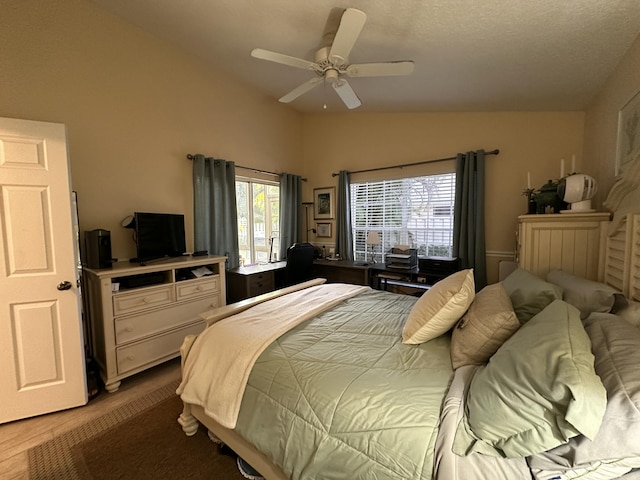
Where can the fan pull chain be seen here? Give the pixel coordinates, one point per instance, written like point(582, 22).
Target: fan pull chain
point(324, 93)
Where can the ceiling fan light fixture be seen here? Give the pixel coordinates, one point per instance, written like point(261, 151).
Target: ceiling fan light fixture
point(331, 75)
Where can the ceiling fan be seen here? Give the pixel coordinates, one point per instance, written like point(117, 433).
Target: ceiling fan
point(332, 62)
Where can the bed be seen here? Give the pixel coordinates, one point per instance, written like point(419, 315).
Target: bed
point(532, 378)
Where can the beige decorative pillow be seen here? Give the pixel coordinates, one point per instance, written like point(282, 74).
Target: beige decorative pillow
point(439, 308)
point(488, 323)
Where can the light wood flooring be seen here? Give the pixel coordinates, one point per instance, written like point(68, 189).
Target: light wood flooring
point(19, 436)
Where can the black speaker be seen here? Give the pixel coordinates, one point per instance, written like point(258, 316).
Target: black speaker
point(98, 248)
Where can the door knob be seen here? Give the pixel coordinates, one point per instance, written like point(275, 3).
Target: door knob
point(64, 285)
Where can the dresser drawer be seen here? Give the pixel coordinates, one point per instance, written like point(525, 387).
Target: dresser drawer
point(198, 288)
point(261, 283)
point(125, 303)
point(130, 328)
point(158, 348)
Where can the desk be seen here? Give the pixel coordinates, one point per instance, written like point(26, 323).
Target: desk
point(412, 281)
point(381, 277)
point(249, 281)
point(252, 280)
point(385, 282)
point(342, 271)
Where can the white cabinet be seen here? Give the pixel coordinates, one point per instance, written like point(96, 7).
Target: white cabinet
point(139, 315)
point(571, 242)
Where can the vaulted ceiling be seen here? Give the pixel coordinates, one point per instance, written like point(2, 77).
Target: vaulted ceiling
point(470, 55)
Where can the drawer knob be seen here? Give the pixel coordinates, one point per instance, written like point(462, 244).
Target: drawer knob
point(129, 328)
point(130, 357)
point(199, 288)
point(145, 300)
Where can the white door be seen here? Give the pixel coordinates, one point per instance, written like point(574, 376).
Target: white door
point(41, 344)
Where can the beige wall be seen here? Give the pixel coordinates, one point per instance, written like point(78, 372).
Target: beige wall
point(528, 142)
point(134, 107)
point(601, 121)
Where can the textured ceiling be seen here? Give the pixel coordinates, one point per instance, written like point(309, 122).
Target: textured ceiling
point(470, 55)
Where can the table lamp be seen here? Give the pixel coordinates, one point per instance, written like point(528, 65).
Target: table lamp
point(373, 239)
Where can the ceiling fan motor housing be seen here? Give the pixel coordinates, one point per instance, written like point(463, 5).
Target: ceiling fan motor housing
point(326, 64)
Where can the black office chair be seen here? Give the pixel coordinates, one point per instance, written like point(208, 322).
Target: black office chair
point(299, 263)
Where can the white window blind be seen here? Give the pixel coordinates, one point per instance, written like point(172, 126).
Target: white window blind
point(415, 211)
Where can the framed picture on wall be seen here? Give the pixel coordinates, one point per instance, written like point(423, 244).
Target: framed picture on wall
point(628, 144)
point(323, 229)
point(324, 200)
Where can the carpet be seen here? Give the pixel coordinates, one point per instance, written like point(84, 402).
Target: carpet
point(140, 440)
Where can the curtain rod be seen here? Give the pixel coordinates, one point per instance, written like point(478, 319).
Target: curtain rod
point(191, 157)
point(492, 152)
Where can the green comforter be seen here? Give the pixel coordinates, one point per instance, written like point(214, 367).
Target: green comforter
point(340, 397)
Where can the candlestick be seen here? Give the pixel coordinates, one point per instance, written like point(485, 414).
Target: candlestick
point(528, 180)
point(573, 163)
point(562, 168)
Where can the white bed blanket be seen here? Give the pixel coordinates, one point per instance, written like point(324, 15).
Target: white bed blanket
point(217, 367)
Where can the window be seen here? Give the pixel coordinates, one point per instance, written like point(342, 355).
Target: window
point(414, 211)
point(258, 204)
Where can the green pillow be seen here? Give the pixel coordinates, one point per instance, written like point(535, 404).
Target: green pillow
point(586, 295)
point(616, 447)
point(537, 391)
point(529, 294)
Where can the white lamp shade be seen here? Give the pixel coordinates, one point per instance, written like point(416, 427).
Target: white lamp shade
point(373, 238)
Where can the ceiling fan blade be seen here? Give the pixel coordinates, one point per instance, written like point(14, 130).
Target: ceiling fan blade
point(346, 93)
point(283, 59)
point(384, 69)
point(350, 27)
point(304, 88)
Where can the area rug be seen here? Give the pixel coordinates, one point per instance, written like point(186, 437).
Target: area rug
point(140, 440)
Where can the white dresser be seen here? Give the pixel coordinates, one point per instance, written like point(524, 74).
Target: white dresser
point(139, 315)
point(571, 242)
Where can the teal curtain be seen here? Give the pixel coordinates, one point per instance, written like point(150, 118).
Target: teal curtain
point(290, 212)
point(468, 226)
point(344, 235)
point(215, 211)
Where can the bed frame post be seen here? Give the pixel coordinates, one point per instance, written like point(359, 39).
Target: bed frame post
point(188, 421)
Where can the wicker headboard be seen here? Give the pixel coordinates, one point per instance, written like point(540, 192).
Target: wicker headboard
point(622, 255)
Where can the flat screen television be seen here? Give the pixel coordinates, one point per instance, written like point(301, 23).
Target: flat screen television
point(159, 235)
